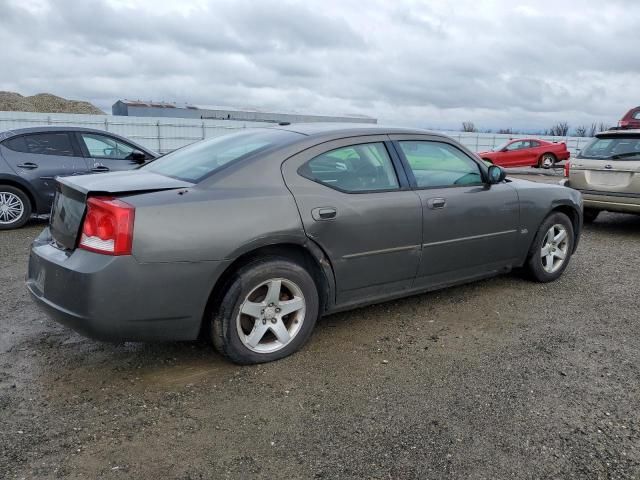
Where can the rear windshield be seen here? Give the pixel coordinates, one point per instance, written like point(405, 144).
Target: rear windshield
point(197, 161)
point(620, 148)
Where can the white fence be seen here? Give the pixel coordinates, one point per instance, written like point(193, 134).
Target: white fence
point(166, 134)
point(160, 134)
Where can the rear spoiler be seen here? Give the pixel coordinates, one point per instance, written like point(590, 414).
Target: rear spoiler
point(121, 182)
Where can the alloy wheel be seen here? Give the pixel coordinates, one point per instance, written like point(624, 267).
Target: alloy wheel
point(11, 208)
point(271, 315)
point(555, 248)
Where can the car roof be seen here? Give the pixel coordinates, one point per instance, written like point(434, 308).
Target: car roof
point(628, 132)
point(526, 139)
point(68, 128)
point(321, 129)
point(51, 128)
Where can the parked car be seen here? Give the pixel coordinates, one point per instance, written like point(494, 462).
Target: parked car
point(31, 158)
point(631, 119)
point(527, 152)
point(251, 237)
point(607, 173)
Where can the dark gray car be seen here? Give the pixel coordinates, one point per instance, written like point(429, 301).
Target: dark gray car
point(31, 158)
point(250, 237)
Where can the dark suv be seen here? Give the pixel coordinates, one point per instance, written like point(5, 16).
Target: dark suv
point(31, 158)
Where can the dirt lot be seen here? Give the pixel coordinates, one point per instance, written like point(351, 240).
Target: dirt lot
point(498, 379)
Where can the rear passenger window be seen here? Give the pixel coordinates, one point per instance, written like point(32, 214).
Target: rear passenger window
point(357, 168)
point(42, 144)
point(437, 164)
point(102, 146)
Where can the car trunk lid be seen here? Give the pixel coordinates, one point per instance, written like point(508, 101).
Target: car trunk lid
point(71, 197)
point(606, 175)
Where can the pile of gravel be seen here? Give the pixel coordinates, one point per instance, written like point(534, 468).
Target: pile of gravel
point(44, 103)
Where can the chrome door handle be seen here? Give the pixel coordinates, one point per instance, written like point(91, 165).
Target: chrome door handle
point(434, 203)
point(28, 165)
point(324, 213)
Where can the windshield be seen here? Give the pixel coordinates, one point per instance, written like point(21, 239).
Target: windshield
point(197, 161)
point(621, 148)
point(502, 146)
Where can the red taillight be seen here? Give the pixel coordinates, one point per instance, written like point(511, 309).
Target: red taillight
point(108, 226)
point(567, 167)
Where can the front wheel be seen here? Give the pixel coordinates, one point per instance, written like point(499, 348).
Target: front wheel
point(267, 312)
point(551, 248)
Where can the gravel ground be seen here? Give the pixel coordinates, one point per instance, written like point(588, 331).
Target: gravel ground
point(498, 379)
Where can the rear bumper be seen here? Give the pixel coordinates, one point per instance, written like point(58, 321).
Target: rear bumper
point(117, 298)
point(612, 202)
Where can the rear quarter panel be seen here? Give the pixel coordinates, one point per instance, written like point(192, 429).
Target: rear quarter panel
point(220, 219)
point(560, 151)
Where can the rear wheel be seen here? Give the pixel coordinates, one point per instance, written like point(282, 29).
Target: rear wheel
point(15, 207)
point(267, 312)
point(547, 160)
point(551, 249)
point(590, 215)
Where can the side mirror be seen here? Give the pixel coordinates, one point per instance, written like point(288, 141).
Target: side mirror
point(138, 156)
point(496, 174)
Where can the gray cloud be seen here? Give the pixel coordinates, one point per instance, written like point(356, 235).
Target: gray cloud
point(434, 64)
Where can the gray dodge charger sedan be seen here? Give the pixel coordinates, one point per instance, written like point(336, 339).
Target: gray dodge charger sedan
point(248, 238)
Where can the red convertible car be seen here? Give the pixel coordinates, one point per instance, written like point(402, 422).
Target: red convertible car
point(525, 152)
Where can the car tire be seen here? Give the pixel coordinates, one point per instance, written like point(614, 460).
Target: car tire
point(547, 160)
point(15, 207)
point(590, 215)
point(545, 263)
point(248, 325)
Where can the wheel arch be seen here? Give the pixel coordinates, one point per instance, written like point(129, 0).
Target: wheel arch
point(307, 254)
point(540, 157)
point(574, 216)
point(24, 187)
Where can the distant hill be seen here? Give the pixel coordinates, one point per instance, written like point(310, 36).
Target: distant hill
point(44, 103)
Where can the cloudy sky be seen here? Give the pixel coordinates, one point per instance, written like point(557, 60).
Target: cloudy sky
point(498, 63)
